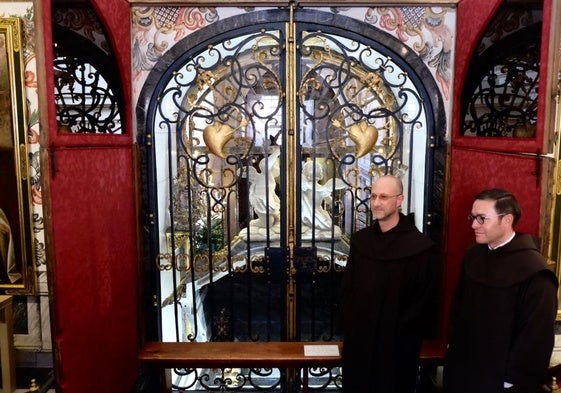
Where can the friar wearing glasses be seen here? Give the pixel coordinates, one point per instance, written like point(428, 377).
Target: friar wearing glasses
point(387, 290)
point(502, 321)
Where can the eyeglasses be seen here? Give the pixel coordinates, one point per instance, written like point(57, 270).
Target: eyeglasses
point(481, 219)
point(382, 197)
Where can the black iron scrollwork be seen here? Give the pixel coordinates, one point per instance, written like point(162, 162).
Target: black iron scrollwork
point(88, 93)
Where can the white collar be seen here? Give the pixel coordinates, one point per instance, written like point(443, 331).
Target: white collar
point(504, 243)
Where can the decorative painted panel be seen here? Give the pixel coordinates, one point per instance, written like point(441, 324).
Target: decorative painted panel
point(31, 337)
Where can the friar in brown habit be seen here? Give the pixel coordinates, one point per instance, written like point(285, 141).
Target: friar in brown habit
point(501, 331)
point(387, 286)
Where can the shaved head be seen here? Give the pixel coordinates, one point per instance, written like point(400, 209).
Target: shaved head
point(385, 201)
point(390, 182)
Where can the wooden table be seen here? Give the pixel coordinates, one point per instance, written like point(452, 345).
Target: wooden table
point(7, 361)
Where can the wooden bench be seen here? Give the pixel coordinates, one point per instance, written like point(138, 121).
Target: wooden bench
point(304, 355)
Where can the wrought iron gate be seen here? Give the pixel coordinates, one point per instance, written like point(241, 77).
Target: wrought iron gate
point(263, 135)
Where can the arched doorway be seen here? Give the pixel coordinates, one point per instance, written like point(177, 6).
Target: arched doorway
point(261, 136)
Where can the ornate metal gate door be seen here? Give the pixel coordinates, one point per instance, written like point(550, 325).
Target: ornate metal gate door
point(262, 139)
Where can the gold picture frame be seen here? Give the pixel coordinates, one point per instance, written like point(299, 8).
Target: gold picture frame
point(17, 267)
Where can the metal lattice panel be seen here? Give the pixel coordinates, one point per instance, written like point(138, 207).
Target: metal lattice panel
point(503, 101)
point(261, 143)
point(87, 88)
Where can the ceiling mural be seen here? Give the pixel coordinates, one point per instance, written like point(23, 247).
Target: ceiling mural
point(429, 31)
point(82, 21)
point(508, 21)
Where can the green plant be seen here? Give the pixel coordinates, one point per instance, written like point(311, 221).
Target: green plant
point(204, 239)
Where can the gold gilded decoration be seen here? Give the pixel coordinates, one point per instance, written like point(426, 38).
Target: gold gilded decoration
point(15, 30)
point(216, 136)
point(23, 160)
point(291, 172)
point(163, 261)
point(179, 241)
point(18, 273)
point(364, 136)
point(558, 182)
point(376, 83)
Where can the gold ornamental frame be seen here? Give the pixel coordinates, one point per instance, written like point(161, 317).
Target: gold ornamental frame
point(17, 267)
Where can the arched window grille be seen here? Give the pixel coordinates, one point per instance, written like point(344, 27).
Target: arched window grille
point(230, 105)
point(88, 91)
point(501, 94)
